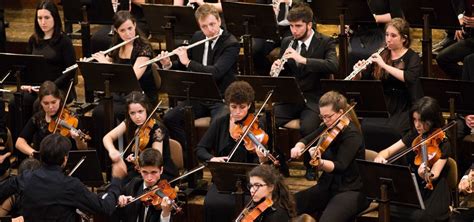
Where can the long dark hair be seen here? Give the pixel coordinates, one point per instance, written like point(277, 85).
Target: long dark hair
point(429, 111)
point(281, 194)
point(139, 98)
point(49, 5)
point(119, 18)
point(48, 88)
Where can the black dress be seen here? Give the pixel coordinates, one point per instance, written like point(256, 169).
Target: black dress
point(436, 201)
point(220, 207)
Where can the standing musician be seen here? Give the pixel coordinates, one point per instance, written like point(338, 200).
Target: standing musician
point(426, 118)
point(43, 122)
point(153, 135)
point(218, 57)
point(399, 69)
point(218, 140)
point(465, 186)
point(151, 168)
point(50, 195)
point(448, 59)
point(337, 196)
point(271, 198)
point(311, 57)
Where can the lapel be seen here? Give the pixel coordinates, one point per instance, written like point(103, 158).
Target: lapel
point(314, 45)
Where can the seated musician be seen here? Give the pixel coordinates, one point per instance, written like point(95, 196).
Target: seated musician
point(465, 186)
point(399, 69)
point(426, 119)
point(267, 189)
point(337, 196)
point(218, 57)
point(44, 122)
point(50, 195)
point(151, 167)
point(311, 57)
point(448, 59)
point(6, 148)
point(153, 135)
point(217, 143)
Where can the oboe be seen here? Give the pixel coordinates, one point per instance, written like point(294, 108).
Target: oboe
point(362, 67)
point(73, 67)
point(158, 58)
point(276, 71)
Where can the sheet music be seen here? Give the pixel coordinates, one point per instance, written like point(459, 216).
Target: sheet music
point(418, 193)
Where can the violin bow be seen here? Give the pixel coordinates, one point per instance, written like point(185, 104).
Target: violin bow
point(403, 153)
point(246, 131)
point(140, 128)
point(77, 165)
point(64, 105)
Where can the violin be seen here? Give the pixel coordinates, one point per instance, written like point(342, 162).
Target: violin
point(156, 194)
point(144, 134)
point(67, 119)
point(328, 136)
point(249, 215)
point(256, 137)
point(428, 153)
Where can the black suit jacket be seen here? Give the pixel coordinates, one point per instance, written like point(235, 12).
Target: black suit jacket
point(131, 212)
point(223, 61)
point(321, 61)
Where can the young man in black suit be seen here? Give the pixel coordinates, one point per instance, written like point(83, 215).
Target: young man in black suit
point(218, 57)
point(311, 57)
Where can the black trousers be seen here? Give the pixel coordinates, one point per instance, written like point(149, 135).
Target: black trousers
point(449, 57)
point(463, 216)
point(331, 207)
point(468, 68)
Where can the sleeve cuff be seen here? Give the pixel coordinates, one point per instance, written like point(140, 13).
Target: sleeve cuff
point(460, 16)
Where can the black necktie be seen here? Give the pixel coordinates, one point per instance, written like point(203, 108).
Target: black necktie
point(209, 52)
point(303, 50)
point(281, 12)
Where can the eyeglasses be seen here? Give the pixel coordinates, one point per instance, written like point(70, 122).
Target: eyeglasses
point(256, 185)
point(327, 117)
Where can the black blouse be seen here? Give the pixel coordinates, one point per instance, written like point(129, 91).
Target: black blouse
point(380, 7)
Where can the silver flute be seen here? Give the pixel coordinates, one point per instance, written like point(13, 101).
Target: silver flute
point(73, 67)
point(276, 71)
point(159, 57)
point(362, 67)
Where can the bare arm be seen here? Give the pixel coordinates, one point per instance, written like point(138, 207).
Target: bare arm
point(109, 139)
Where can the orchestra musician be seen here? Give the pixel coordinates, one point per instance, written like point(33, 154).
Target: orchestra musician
point(448, 59)
point(268, 190)
point(156, 134)
point(43, 122)
point(50, 195)
point(337, 196)
point(426, 119)
point(217, 143)
point(150, 167)
point(311, 57)
point(218, 57)
point(399, 69)
point(465, 186)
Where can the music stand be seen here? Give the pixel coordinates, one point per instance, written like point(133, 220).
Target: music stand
point(429, 14)
point(390, 184)
point(249, 20)
point(342, 12)
point(191, 86)
point(231, 178)
point(89, 171)
point(170, 20)
point(6, 219)
point(368, 94)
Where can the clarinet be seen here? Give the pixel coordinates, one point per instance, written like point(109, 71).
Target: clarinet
point(276, 71)
point(362, 67)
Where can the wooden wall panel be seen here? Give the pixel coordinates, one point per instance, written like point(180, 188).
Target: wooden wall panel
point(23, 4)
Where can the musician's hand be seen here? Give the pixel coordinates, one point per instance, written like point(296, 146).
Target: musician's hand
point(119, 169)
point(18, 219)
point(130, 158)
point(165, 207)
point(123, 200)
point(29, 88)
point(199, 2)
point(380, 159)
point(458, 35)
point(291, 53)
point(4, 156)
point(468, 21)
point(421, 170)
point(182, 54)
point(166, 61)
point(75, 134)
point(315, 152)
point(464, 186)
point(376, 58)
point(276, 64)
point(359, 64)
point(219, 159)
point(296, 151)
point(261, 156)
point(470, 121)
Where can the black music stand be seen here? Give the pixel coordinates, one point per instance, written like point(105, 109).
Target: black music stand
point(285, 90)
point(170, 20)
point(342, 12)
point(89, 171)
point(368, 94)
point(249, 20)
point(429, 14)
point(191, 86)
point(109, 78)
point(23, 69)
point(231, 178)
point(6, 219)
point(390, 184)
